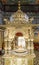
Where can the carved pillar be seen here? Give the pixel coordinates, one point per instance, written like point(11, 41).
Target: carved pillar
point(28, 45)
point(32, 46)
point(1, 39)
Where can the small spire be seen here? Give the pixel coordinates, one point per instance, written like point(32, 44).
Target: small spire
point(19, 5)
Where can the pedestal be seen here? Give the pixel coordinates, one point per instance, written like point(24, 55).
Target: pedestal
point(17, 60)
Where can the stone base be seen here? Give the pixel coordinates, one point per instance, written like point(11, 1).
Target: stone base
point(17, 60)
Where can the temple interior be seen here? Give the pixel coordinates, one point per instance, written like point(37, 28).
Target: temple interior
point(19, 32)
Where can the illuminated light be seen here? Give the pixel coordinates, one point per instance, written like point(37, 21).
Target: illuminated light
point(27, 18)
point(21, 42)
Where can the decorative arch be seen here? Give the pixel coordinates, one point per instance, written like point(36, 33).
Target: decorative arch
point(19, 34)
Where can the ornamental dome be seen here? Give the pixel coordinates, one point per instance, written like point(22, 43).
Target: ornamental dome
point(19, 16)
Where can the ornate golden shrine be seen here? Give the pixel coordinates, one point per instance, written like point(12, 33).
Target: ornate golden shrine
point(18, 40)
